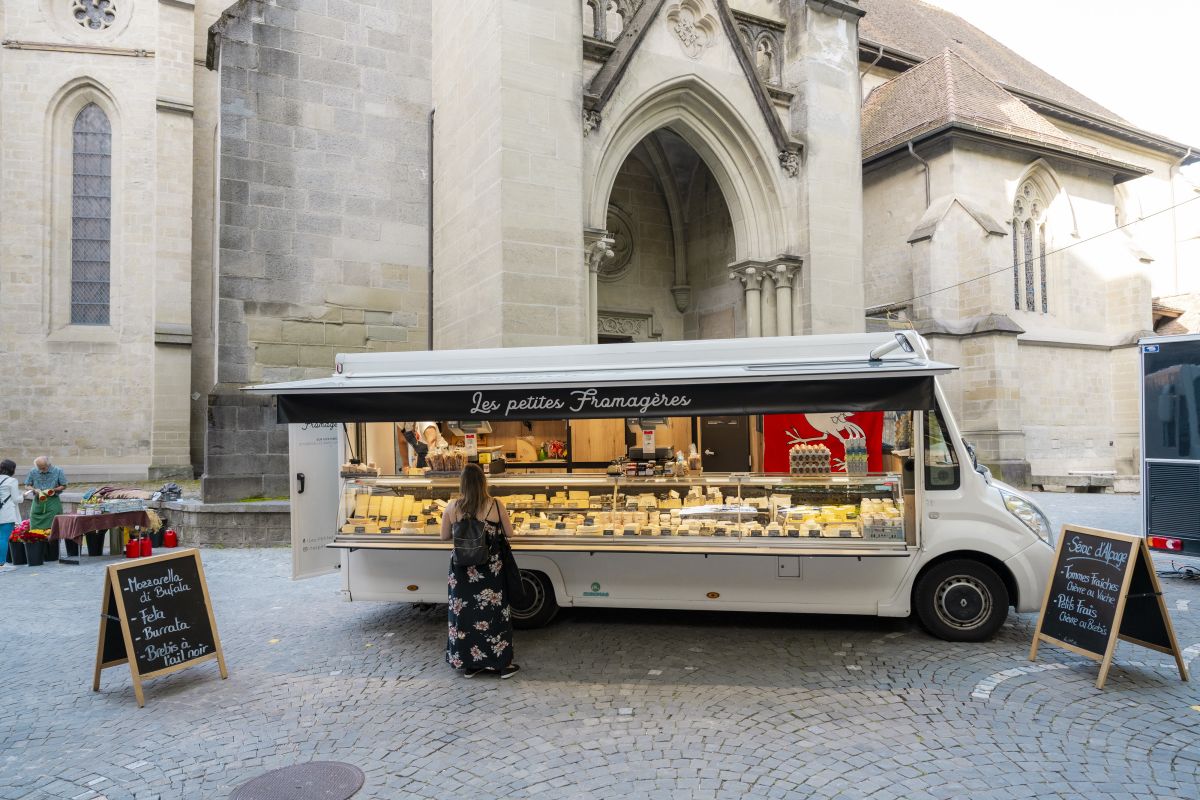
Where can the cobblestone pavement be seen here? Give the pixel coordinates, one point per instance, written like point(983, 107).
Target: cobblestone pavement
point(632, 704)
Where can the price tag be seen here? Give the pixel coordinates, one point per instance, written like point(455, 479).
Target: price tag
point(648, 442)
point(471, 443)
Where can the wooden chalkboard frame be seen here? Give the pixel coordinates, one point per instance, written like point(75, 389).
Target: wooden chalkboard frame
point(111, 597)
point(1139, 555)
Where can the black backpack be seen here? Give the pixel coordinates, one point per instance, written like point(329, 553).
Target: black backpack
point(470, 542)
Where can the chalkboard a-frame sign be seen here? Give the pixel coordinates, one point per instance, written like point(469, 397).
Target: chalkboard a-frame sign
point(1103, 588)
point(157, 617)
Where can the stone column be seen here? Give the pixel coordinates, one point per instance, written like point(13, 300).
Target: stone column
point(821, 70)
point(784, 274)
point(767, 312)
point(751, 275)
point(597, 248)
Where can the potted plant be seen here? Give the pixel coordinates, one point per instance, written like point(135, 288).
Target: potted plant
point(156, 535)
point(95, 542)
point(35, 546)
point(16, 546)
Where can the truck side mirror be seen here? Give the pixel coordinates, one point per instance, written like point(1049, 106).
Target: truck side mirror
point(982, 469)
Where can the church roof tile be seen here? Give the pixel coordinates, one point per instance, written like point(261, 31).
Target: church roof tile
point(948, 89)
point(924, 31)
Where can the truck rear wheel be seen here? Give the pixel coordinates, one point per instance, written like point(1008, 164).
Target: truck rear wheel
point(961, 601)
point(542, 604)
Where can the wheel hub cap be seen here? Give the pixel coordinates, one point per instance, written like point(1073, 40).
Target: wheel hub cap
point(963, 602)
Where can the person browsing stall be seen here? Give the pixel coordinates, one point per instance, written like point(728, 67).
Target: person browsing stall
point(10, 505)
point(480, 618)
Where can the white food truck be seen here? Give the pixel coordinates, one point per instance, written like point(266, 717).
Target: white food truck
point(817, 474)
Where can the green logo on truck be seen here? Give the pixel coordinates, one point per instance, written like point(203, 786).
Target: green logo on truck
point(595, 592)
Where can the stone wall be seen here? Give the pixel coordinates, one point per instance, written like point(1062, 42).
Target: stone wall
point(66, 380)
point(509, 223)
point(324, 191)
point(263, 524)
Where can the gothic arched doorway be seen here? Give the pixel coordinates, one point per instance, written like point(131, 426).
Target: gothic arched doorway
point(673, 241)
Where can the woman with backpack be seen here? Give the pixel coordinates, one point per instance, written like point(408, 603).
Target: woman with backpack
point(10, 505)
point(481, 633)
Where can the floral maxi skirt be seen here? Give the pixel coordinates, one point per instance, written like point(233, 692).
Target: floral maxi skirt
point(480, 620)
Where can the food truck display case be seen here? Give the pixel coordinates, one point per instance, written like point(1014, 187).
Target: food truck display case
point(915, 527)
point(736, 513)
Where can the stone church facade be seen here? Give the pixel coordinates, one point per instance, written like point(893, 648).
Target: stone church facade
point(384, 176)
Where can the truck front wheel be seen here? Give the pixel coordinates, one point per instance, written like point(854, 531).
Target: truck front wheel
point(542, 604)
point(961, 601)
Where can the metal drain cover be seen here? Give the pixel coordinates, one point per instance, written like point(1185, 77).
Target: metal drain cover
point(316, 780)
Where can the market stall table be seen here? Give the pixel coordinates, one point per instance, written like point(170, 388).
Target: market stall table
point(74, 526)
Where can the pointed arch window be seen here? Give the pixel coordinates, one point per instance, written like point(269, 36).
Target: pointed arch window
point(91, 217)
point(1042, 265)
point(1029, 267)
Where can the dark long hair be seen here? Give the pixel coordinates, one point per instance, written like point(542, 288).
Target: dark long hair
point(474, 488)
point(8, 467)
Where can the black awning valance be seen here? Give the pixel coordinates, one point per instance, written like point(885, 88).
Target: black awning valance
point(891, 393)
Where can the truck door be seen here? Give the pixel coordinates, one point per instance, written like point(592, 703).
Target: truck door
point(314, 451)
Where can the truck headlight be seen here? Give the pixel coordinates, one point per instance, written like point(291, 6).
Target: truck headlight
point(1028, 513)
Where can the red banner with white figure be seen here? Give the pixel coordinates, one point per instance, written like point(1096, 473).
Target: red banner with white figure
point(781, 431)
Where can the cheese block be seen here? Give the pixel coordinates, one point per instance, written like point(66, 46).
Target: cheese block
point(671, 502)
point(373, 506)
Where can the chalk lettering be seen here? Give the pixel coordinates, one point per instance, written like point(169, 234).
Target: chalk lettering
point(178, 626)
point(151, 614)
point(1077, 545)
point(133, 584)
point(171, 590)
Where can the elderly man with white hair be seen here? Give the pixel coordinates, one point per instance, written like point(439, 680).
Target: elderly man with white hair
point(47, 483)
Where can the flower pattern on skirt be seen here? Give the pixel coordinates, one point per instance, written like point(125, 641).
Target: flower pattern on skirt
point(479, 619)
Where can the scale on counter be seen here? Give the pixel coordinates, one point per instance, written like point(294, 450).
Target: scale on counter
point(469, 430)
point(646, 426)
point(463, 427)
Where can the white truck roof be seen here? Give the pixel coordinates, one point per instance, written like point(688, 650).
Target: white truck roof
point(837, 356)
